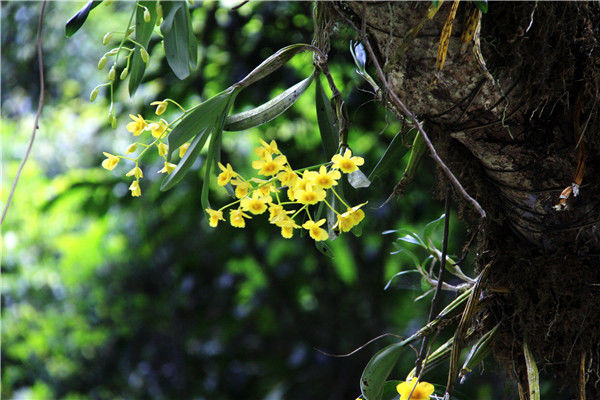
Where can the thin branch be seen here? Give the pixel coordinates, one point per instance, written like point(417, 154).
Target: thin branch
point(438, 290)
point(399, 104)
point(37, 116)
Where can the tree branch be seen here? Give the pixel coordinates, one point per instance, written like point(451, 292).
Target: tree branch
point(37, 116)
point(395, 100)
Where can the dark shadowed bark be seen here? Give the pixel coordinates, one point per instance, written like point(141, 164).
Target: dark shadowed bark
point(514, 124)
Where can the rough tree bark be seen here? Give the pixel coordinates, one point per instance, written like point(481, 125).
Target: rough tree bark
point(512, 135)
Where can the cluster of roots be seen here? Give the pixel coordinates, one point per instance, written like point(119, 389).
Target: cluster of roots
point(515, 141)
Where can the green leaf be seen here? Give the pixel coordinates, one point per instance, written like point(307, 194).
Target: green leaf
point(143, 32)
point(389, 390)
point(372, 381)
point(78, 19)
point(203, 116)
point(214, 150)
point(430, 227)
point(326, 121)
point(208, 165)
point(178, 37)
point(187, 161)
point(324, 248)
point(389, 161)
point(269, 110)
point(273, 63)
point(482, 5)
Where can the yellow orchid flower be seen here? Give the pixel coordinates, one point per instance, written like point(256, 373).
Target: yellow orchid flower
point(182, 149)
point(315, 231)
point(346, 163)
point(158, 128)
point(422, 390)
point(326, 179)
point(168, 168)
point(138, 124)
point(136, 171)
point(110, 162)
point(161, 106)
point(269, 166)
point(215, 217)
point(225, 176)
point(136, 191)
point(236, 218)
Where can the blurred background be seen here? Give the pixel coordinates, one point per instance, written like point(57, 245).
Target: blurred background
point(105, 296)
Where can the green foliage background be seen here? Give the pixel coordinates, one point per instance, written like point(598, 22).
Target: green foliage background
point(105, 296)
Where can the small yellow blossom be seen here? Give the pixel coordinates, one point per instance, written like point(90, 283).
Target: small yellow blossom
point(161, 106)
point(315, 230)
point(163, 149)
point(287, 232)
point(257, 204)
point(265, 187)
point(344, 222)
point(158, 128)
point(136, 171)
point(241, 187)
point(215, 217)
point(357, 214)
point(288, 177)
point(227, 174)
point(168, 168)
point(310, 195)
point(110, 162)
point(138, 124)
point(136, 191)
point(132, 147)
point(182, 149)
point(422, 390)
point(236, 218)
point(346, 163)
point(325, 179)
point(266, 148)
point(269, 166)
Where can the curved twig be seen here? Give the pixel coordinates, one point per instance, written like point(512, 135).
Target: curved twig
point(37, 115)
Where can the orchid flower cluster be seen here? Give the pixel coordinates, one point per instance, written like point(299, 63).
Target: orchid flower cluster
point(303, 188)
point(158, 130)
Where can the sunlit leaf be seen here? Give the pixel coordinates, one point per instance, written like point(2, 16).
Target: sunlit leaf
point(380, 366)
point(143, 32)
point(78, 19)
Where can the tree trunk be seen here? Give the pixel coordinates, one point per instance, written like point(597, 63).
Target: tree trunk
point(514, 119)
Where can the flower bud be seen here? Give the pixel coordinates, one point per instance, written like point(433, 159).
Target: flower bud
point(132, 147)
point(112, 52)
point(124, 73)
point(144, 54)
point(159, 13)
point(94, 94)
point(113, 122)
point(112, 73)
point(102, 62)
point(106, 38)
point(146, 15)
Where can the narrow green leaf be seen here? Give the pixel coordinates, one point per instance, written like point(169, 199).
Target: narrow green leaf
point(214, 150)
point(187, 161)
point(430, 227)
point(208, 165)
point(326, 121)
point(380, 366)
point(192, 43)
point(273, 63)
point(389, 390)
point(269, 110)
point(324, 248)
point(478, 353)
point(390, 159)
point(176, 28)
point(533, 377)
point(143, 32)
point(204, 115)
point(78, 19)
point(482, 5)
